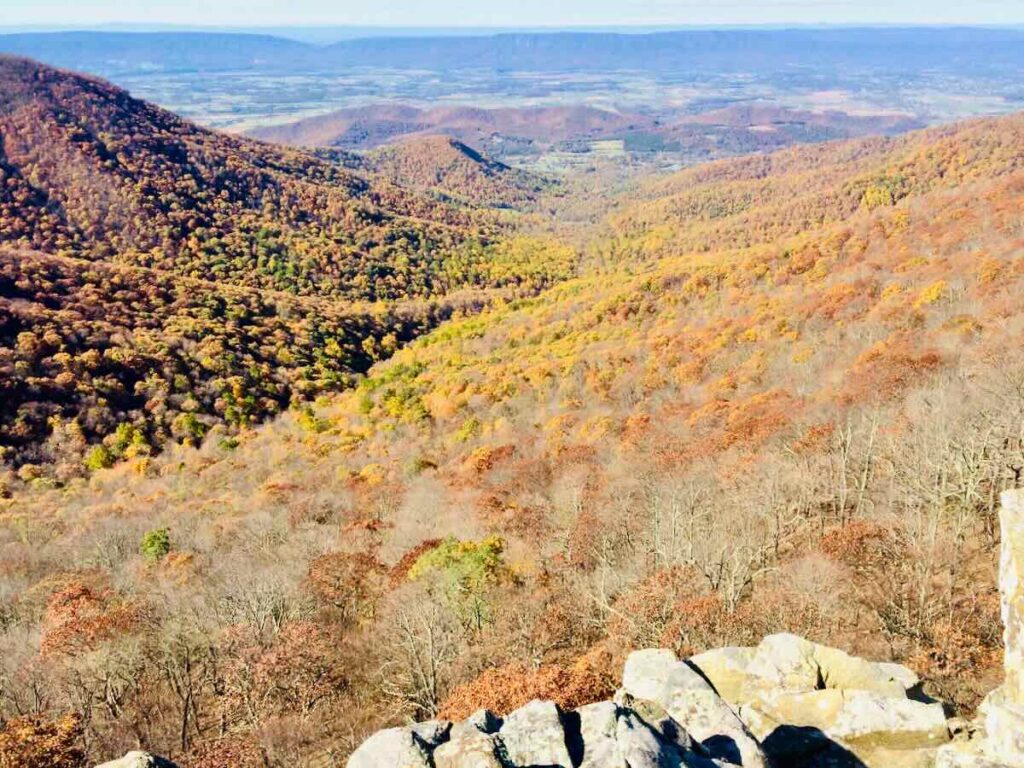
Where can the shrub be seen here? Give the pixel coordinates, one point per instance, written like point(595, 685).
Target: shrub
point(349, 582)
point(591, 678)
point(228, 752)
point(188, 428)
point(156, 544)
point(99, 457)
point(472, 565)
point(80, 617)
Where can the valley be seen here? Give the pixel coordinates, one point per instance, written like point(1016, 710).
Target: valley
point(673, 98)
point(431, 403)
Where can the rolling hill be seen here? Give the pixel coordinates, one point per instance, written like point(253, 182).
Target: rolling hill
point(372, 126)
point(449, 167)
point(510, 132)
point(88, 171)
point(781, 393)
point(161, 279)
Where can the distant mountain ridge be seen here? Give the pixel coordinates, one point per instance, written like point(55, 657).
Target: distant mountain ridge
point(507, 132)
point(108, 53)
point(375, 125)
point(965, 49)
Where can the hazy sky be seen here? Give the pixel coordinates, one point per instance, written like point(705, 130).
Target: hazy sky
point(506, 12)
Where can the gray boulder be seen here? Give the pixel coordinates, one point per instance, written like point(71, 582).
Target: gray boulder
point(432, 732)
point(725, 669)
point(598, 724)
point(470, 748)
point(534, 735)
point(138, 760)
point(691, 700)
point(391, 748)
point(481, 721)
point(643, 744)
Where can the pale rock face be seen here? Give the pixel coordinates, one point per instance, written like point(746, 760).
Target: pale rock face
point(861, 718)
point(838, 669)
point(786, 662)
point(635, 733)
point(648, 673)
point(646, 737)
point(1004, 726)
point(806, 709)
point(1004, 708)
point(689, 698)
point(797, 691)
point(656, 718)
point(726, 668)
point(432, 732)
point(481, 721)
point(781, 662)
point(138, 760)
point(757, 722)
point(392, 748)
point(533, 735)
point(598, 724)
point(470, 750)
point(639, 746)
point(1011, 589)
point(901, 758)
point(965, 756)
point(873, 720)
point(898, 673)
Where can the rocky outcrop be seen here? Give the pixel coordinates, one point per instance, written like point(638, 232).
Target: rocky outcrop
point(139, 760)
point(402, 747)
point(787, 703)
point(625, 733)
point(690, 699)
point(999, 741)
point(796, 697)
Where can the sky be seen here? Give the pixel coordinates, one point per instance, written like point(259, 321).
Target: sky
point(505, 13)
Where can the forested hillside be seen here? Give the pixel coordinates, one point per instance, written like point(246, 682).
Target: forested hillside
point(781, 393)
point(518, 133)
point(158, 279)
point(453, 170)
point(88, 171)
point(103, 362)
point(761, 198)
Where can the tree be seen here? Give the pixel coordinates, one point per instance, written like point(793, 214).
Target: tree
point(156, 544)
point(467, 569)
point(36, 742)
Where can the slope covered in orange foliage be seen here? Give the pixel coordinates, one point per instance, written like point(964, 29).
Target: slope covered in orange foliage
point(89, 171)
point(781, 393)
point(447, 166)
point(158, 280)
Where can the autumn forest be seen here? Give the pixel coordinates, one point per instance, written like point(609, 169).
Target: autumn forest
point(300, 443)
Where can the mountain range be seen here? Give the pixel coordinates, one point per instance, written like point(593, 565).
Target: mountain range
point(300, 445)
point(963, 50)
point(513, 132)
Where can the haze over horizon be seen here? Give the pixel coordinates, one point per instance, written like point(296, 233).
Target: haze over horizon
point(409, 14)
